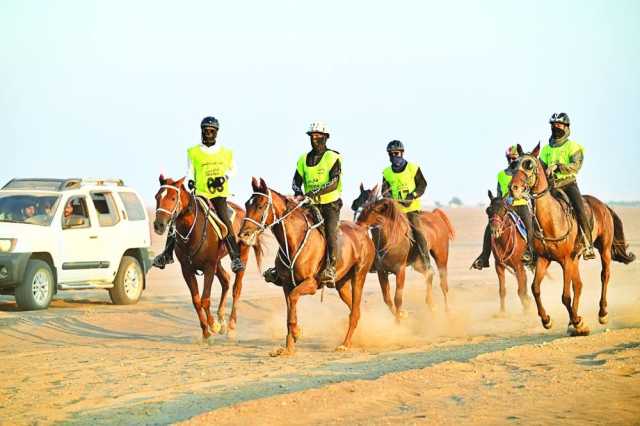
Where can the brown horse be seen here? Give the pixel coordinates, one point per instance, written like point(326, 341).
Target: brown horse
point(391, 233)
point(507, 247)
point(558, 239)
point(198, 248)
point(302, 253)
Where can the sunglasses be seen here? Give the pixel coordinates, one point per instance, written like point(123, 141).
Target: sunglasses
point(395, 153)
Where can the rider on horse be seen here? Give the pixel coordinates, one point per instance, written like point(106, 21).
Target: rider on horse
point(521, 206)
point(209, 168)
point(405, 182)
point(562, 159)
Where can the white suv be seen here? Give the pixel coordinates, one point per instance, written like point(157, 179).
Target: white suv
point(72, 234)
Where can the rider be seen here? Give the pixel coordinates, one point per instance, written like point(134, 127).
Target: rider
point(320, 171)
point(405, 182)
point(520, 206)
point(562, 159)
point(209, 167)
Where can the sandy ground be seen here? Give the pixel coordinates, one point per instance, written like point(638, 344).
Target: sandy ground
point(86, 361)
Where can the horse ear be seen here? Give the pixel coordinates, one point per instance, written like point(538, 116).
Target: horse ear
point(520, 151)
point(374, 190)
point(361, 187)
point(490, 194)
point(180, 181)
point(263, 185)
point(254, 183)
point(536, 150)
point(161, 179)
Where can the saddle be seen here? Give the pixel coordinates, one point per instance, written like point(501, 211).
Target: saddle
point(563, 198)
point(215, 221)
point(520, 226)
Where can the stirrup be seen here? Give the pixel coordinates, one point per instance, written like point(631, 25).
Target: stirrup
point(237, 265)
point(161, 260)
point(271, 276)
point(480, 263)
point(328, 276)
point(588, 253)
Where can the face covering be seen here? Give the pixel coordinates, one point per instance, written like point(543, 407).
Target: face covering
point(397, 163)
point(557, 133)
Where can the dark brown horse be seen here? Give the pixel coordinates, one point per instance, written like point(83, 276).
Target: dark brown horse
point(302, 254)
point(507, 246)
point(558, 239)
point(392, 236)
point(199, 249)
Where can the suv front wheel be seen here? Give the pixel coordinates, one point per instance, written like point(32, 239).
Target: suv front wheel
point(127, 287)
point(36, 290)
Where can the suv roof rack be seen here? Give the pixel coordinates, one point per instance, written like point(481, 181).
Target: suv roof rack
point(58, 184)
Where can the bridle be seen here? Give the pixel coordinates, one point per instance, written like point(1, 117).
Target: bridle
point(284, 253)
point(501, 227)
point(175, 212)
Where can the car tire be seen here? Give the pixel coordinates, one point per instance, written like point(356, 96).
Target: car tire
point(127, 287)
point(37, 287)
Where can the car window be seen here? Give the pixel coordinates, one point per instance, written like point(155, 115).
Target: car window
point(75, 214)
point(32, 208)
point(132, 205)
point(106, 208)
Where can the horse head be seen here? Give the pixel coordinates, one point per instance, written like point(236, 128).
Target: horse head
point(386, 214)
point(529, 174)
point(169, 202)
point(496, 211)
point(262, 209)
point(366, 197)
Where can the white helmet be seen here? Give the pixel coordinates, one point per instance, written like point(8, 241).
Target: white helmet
point(318, 127)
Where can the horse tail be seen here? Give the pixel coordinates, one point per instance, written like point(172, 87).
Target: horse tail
point(450, 229)
point(619, 249)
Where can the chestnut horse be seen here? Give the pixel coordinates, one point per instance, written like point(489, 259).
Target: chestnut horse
point(558, 239)
point(198, 248)
point(302, 254)
point(507, 246)
point(391, 233)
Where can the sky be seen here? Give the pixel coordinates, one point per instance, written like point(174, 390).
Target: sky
point(118, 88)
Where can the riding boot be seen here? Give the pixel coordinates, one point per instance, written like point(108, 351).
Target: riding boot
point(573, 192)
point(418, 237)
point(166, 257)
point(330, 213)
point(529, 256)
point(483, 260)
point(271, 276)
point(234, 253)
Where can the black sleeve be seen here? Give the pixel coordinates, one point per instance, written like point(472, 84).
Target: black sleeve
point(296, 185)
point(421, 184)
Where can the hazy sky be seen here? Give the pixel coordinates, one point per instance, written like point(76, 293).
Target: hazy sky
point(118, 88)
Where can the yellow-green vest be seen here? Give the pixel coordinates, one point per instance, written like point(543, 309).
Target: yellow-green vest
point(207, 167)
point(504, 180)
point(403, 184)
point(315, 177)
point(560, 155)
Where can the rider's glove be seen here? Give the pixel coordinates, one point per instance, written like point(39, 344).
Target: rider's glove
point(191, 184)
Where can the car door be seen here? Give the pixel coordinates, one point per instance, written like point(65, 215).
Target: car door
point(80, 255)
point(111, 235)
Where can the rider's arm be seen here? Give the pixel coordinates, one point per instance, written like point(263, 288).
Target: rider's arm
point(421, 184)
point(332, 185)
point(574, 165)
point(386, 188)
point(190, 172)
point(296, 185)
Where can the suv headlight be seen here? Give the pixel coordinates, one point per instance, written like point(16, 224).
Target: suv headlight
point(7, 244)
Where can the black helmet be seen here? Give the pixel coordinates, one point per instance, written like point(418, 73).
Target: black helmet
point(395, 145)
point(209, 122)
point(561, 117)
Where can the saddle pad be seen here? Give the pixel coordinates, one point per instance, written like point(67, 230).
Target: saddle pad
point(520, 226)
point(217, 224)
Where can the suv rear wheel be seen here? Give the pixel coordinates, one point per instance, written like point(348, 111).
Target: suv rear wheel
point(127, 287)
point(36, 290)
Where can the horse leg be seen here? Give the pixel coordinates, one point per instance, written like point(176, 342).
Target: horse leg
point(397, 300)
point(223, 277)
point(605, 258)
point(237, 287)
point(441, 256)
point(192, 283)
point(292, 295)
point(383, 278)
point(521, 276)
point(541, 267)
point(501, 287)
point(568, 268)
point(581, 329)
point(209, 274)
point(357, 283)
point(428, 278)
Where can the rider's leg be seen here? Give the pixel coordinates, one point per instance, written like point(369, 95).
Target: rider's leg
point(418, 237)
point(220, 204)
point(573, 192)
point(331, 215)
point(483, 260)
point(166, 257)
point(525, 214)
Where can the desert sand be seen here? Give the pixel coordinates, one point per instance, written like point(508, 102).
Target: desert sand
point(86, 361)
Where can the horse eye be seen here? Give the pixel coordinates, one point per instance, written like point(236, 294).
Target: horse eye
point(528, 165)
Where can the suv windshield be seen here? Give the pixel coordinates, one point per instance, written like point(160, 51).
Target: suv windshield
point(32, 208)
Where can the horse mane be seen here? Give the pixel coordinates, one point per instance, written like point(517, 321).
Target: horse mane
point(396, 225)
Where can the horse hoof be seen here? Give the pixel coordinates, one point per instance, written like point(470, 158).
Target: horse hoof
point(403, 315)
point(215, 327)
point(571, 329)
point(281, 352)
point(223, 328)
point(232, 333)
point(603, 320)
point(548, 324)
point(342, 348)
point(581, 331)
point(297, 333)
